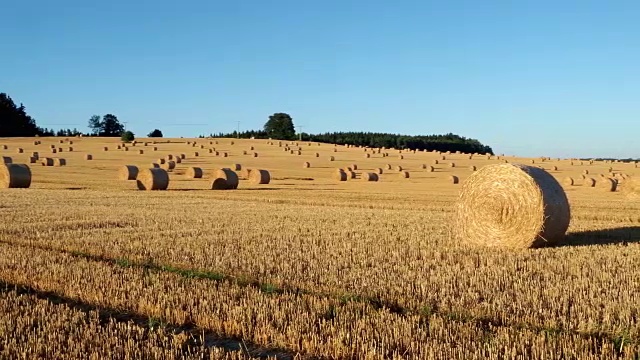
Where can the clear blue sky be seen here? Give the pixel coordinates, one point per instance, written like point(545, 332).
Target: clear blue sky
point(558, 78)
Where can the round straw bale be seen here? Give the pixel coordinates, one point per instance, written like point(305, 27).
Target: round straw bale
point(631, 187)
point(232, 143)
point(36, 143)
point(178, 160)
point(210, 151)
point(401, 157)
point(306, 164)
point(61, 141)
point(245, 173)
point(33, 159)
point(35, 154)
point(6, 159)
point(128, 172)
point(379, 171)
point(335, 150)
point(513, 206)
point(340, 175)
point(182, 156)
point(59, 162)
point(47, 161)
point(225, 154)
point(194, 173)
point(169, 157)
point(354, 166)
point(583, 176)
point(20, 150)
point(568, 181)
point(436, 162)
point(404, 174)
point(347, 169)
point(398, 168)
point(54, 151)
point(153, 179)
point(259, 176)
point(168, 165)
point(554, 168)
point(532, 161)
point(88, 157)
point(473, 168)
point(196, 154)
point(586, 172)
point(155, 148)
point(369, 176)
point(125, 148)
point(160, 161)
point(105, 148)
point(331, 158)
point(217, 153)
point(155, 166)
point(237, 167)
point(350, 175)
point(70, 149)
point(14, 176)
point(229, 176)
point(141, 152)
point(589, 182)
point(430, 169)
point(244, 152)
point(389, 167)
point(452, 165)
point(255, 154)
point(367, 155)
point(317, 154)
point(607, 184)
point(454, 179)
point(51, 146)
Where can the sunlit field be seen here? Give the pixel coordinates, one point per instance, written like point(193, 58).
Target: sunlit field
point(305, 266)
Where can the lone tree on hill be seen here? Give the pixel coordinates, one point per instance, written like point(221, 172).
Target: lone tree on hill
point(280, 126)
point(109, 126)
point(155, 134)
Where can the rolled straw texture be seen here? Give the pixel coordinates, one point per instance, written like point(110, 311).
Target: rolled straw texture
point(14, 176)
point(259, 176)
point(128, 172)
point(229, 176)
point(153, 179)
point(511, 206)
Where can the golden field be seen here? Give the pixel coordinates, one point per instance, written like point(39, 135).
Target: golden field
point(302, 267)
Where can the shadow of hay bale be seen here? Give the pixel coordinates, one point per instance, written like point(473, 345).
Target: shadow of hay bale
point(616, 236)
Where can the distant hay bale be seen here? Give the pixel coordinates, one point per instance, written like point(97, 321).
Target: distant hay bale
point(586, 172)
point(401, 157)
point(331, 158)
point(210, 151)
point(388, 166)
point(153, 179)
point(230, 177)
point(252, 148)
point(255, 154)
point(452, 165)
point(512, 206)
point(105, 148)
point(340, 175)
point(169, 165)
point(244, 152)
point(60, 149)
point(125, 148)
point(59, 162)
point(568, 181)
point(335, 150)
point(607, 184)
point(354, 166)
point(398, 168)
point(88, 157)
point(61, 141)
point(583, 176)
point(367, 156)
point(454, 179)
point(225, 155)
point(119, 147)
point(20, 150)
point(610, 169)
point(141, 152)
point(36, 143)
point(51, 146)
point(237, 167)
point(14, 176)
point(33, 159)
point(350, 175)
point(161, 161)
point(423, 166)
point(54, 151)
point(317, 154)
point(46, 161)
point(436, 162)
point(128, 172)
point(70, 149)
point(379, 171)
point(177, 159)
point(196, 154)
point(404, 174)
point(554, 168)
point(347, 169)
point(6, 160)
point(155, 148)
point(169, 157)
point(369, 176)
point(217, 153)
point(194, 173)
point(532, 161)
point(259, 177)
point(182, 156)
point(589, 182)
point(430, 169)
point(473, 168)
point(155, 166)
point(306, 165)
point(232, 143)
point(631, 188)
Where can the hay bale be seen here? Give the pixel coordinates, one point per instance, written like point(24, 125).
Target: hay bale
point(47, 161)
point(452, 165)
point(33, 159)
point(6, 160)
point(306, 165)
point(331, 158)
point(255, 154)
point(367, 155)
point(347, 169)
point(141, 152)
point(430, 169)
point(631, 187)
point(88, 157)
point(607, 184)
point(105, 148)
point(512, 206)
point(454, 179)
point(54, 151)
point(155, 166)
point(155, 148)
point(14, 176)
point(335, 150)
point(473, 168)
point(177, 159)
point(225, 154)
point(259, 177)
point(244, 152)
point(194, 173)
point(237, 167)
point(160, 161)
point(125, 148)
point(317, 154)
point(589, 182)
point(401, 157)
point(128, 172)
point(169, 157)
point(354, 167)
point(230, 177)
point(398, 168)
point(379, 171)
point(554, 168)
point(169, 165)
point(340, 175)
point(369, 176)
point(436, 162)
point(20, 150)
point(182, 156)
point(586, 172)
point(70, 149)
point(59, 162)
point(350, 175)
point(568, 181)
point(404, 174)
point(153, 179)
point(196, 154)
point(210, 151)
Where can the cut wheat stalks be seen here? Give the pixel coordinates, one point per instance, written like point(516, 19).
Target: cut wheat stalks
point(513, 206)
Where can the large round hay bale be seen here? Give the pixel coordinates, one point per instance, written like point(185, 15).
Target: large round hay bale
point(33, 159)
point(404, 174)
point(554, 168)
point(350, 174)
point(255, 154)
point(607, 184)
point(194, 172)
point(70, 149)
point(225, 155)
point(59, 162)
point(389, 167)
point(210, 151)
point(160, 161)
point(182, 156)
point(347, 169)
point(54, 151)
point(379, 171)
point(88, 157)
point(155, 166)
point(6, 160)
point(153, 179)
point(401, 157)
point(589, 182)
point(568, 181)
point(169, 165)
point(128, 172)
point(229, 176)
point(14, 176)
point(369, 176)
point(169, 157)
point(46, 161)
point(354, 167)
point(586, 172)
point(141, 152)
point(245, 173)
point(340, 175)
point(513, 206)
point(259, 177)
point(196, 154)
point(306, 164)
point(177, 159)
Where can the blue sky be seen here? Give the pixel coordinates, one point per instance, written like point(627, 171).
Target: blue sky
point(557, 78)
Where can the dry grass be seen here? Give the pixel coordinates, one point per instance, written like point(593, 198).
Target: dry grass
point(312, 267)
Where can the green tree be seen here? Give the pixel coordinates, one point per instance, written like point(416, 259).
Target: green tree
point(109, 126)
point(280, 126)
point(155, 133)
point(128, 136)
point(14, 120)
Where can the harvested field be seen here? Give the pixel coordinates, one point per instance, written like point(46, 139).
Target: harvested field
point(304, 265)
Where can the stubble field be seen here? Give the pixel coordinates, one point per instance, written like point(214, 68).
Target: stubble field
point(302, 267)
